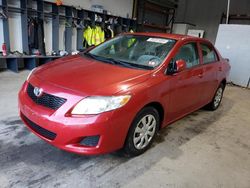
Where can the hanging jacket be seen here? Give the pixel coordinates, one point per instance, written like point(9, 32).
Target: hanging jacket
point(36, 35)
point(93, 36)
point(131, 41)
point(102, 35)
point(111, 31)
point(32, 35)
point(98, 36)
point(108, 32)
point(87, 35)
point(40, 31)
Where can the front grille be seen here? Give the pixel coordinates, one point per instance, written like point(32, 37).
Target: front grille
point(39, 130)
point(47, 100)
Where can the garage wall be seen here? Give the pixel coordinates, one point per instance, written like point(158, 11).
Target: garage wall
point(206, 14)
point(1, 34)
point(236, 49)
point(116, 7)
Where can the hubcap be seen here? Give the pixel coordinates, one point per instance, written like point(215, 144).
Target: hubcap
point(218, 97)
point(144, 131)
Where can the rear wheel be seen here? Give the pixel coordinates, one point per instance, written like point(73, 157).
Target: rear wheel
point(215, 103)
point(142, 131)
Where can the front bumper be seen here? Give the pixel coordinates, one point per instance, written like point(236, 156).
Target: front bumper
point(111, 127)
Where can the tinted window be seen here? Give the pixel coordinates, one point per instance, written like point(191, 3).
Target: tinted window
point(189, 53)
point(208, 54)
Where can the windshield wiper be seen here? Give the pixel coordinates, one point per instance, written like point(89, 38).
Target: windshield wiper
point(123, 63)
point(108, 60)
point(99, 58)
point(118, 62)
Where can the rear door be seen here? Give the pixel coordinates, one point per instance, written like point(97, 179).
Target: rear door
point(186, 86)
point(211, 66)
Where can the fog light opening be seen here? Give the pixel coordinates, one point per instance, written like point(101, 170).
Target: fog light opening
point(90, 141)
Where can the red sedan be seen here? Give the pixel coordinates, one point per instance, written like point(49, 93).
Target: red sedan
point(120, 93)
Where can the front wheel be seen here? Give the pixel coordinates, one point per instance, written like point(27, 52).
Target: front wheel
point(142, 131)
point(215, 103)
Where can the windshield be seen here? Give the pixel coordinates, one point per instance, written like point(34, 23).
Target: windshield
point(133, 51)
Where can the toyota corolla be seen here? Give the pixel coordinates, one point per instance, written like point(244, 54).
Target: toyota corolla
point(119, 94)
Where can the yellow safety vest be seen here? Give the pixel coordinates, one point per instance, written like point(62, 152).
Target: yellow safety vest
point(87, 35)
point(94, 36)
point(131, 41)
point(98, 36)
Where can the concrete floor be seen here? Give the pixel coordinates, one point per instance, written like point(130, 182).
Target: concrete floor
point(204, 149)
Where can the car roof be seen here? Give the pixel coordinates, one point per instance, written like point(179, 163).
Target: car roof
point(169, 36)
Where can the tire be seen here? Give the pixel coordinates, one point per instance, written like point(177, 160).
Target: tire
point(142, 132)
point(215, 103)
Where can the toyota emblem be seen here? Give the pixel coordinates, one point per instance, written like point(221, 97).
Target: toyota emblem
point(38, 91)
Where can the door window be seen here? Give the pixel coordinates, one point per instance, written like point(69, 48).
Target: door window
point(188, 53)
point(208, 54)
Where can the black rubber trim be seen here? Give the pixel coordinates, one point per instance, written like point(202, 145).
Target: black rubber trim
point(39, 130)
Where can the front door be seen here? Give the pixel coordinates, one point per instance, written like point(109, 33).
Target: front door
point(186, 86)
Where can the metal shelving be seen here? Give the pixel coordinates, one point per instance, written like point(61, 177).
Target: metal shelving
point(234, 17)
point(57, 13)
point(155, 17)
point(16, 64)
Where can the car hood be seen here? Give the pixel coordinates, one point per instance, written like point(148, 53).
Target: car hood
point(90, 77)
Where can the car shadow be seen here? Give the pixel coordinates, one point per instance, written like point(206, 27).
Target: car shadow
point(19, 147)
point(182, 131)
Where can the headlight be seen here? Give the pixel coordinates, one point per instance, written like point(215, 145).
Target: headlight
point(97, 105)
point(28, 77)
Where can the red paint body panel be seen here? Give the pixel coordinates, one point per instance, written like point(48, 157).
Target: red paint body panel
point(76, 77)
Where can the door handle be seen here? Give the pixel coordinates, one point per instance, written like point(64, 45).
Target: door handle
point(200, 75)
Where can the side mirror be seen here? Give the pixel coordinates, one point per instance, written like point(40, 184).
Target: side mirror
point(175, 67)
point(180, 65)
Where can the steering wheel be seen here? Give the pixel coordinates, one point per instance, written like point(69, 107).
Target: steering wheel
point(149, 60)
point(154, 61)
